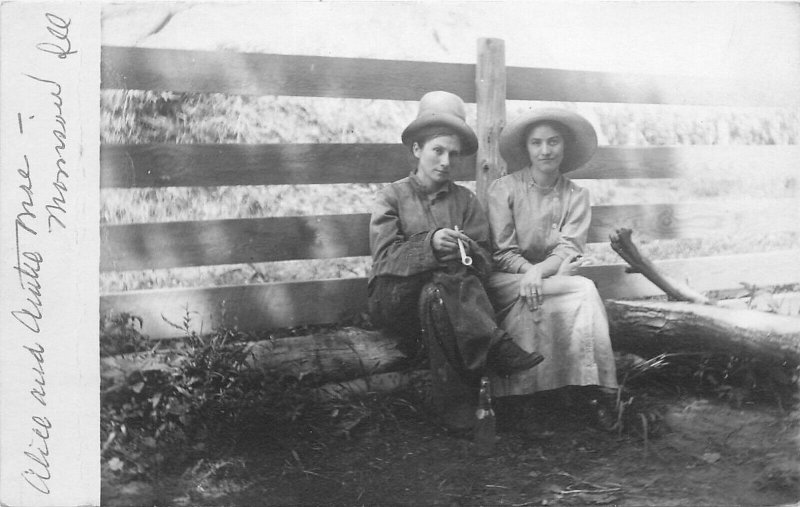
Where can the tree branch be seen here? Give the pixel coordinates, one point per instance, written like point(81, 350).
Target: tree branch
point(622, 243)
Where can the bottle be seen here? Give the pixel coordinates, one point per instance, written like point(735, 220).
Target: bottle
point(484, 433)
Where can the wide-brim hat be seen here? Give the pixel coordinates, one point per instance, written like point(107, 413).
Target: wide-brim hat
point(578, 150)
point(443, 109)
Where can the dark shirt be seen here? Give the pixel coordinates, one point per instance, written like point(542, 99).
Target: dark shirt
point(405, 218)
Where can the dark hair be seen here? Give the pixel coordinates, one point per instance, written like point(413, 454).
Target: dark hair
point(425, 134)
point(564, 131)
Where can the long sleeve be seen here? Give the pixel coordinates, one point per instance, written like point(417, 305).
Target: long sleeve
point(507, 253)
point(404, 220)
point(392, 253)
point(575, 224)
point(530, 224)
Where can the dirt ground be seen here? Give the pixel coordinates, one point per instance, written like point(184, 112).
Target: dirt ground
point(702, 452)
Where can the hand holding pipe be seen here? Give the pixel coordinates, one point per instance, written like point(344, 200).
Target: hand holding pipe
point(465, 259)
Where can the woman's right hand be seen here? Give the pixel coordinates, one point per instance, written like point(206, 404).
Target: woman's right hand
point(445, 244)
point(570, 266)
point(530, 287)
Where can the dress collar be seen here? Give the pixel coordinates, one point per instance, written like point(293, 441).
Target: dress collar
point(530, 183)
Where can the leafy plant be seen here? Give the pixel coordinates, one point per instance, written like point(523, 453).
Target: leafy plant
point(121, 333)
point(199, 395)
point(736, 379)
point(176, 400)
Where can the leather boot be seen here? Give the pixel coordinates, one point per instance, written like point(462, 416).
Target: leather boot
point(506, 358)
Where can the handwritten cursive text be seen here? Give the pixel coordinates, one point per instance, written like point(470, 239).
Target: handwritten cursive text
point(59, 29)
point(29, 262)
point(59, 201)
point(38, 472)
point(38, 391)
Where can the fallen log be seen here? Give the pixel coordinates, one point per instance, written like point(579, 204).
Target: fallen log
point(649, 328)
point(645, 328)
point(345, 354)
point(692, 321)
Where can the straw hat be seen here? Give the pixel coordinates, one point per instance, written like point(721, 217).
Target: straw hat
point(444, 109)
point(577, 151)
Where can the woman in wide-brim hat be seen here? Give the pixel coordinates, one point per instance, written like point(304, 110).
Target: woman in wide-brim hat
point(539, 221)
point(415, 228)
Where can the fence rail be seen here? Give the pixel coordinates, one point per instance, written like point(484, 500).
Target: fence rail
point(321, 76)
point(246, 240)
point(205, 165)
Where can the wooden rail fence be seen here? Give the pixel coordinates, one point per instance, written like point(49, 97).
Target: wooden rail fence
point(274, 305)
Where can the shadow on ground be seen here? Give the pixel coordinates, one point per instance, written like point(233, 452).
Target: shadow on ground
point(699, 452)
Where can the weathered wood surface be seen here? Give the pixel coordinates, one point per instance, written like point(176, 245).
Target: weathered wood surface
point(490, 92)
point(287, 304)
point(317, 76)
point(255, 307)
point(652, 327)
point(695, 219)
point(206, 165)
point(345, 354)
point(246, 240)
point(588, 86)
point(718, 161)
point(234, 241)
point(646, 328)
point(718, 273)
point(266, 74)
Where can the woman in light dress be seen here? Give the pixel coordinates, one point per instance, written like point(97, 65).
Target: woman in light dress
point(539, 220)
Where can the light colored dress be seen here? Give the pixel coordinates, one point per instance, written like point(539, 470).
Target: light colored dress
point(570, 329)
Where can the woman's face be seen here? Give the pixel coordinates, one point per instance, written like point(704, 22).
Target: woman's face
point(435, 160)
point(545, 148)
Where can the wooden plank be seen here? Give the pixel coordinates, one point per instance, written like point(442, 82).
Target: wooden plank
point(213, 242)
point(236, 241)
point(269, 306)
point(649, 328)
point(618, 162)
point(696, 219)
point(490, 84)
point(248, 307)
point(701, 273)
point(179, 165)
point(265, 74)
point(206, 165)
point(588, 86)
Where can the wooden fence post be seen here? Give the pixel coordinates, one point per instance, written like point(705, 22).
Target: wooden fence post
point(490, 96)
